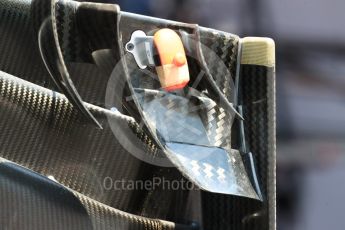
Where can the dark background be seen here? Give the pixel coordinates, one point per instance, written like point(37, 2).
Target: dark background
point(310, 43)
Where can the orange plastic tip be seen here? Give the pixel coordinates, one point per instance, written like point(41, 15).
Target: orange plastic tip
point(169, 47)
point(173, 73)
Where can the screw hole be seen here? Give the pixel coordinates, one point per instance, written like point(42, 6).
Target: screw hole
point(130, 46)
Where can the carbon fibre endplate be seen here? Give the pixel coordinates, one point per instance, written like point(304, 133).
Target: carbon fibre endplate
point(44, 132)
point(72, 19)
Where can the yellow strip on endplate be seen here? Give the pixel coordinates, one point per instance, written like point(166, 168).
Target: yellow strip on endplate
point(258, 51)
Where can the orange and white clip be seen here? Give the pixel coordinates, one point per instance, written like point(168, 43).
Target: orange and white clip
point(172, 69)
point(173, 72)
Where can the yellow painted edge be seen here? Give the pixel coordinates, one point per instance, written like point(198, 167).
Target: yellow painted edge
point(258, 51)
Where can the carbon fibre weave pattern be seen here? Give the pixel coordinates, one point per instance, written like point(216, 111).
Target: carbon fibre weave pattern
point(47, 200)
point(44, 117)
point(225, 46)
point(220, 51)
point(255, 98)
point(272, 149)
point(20, 21)
point(246, 214)
point(51, 138)
point(19, 48)
point(52, 206)
point(70, 41)
point(42, 131)
point(222, 65)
